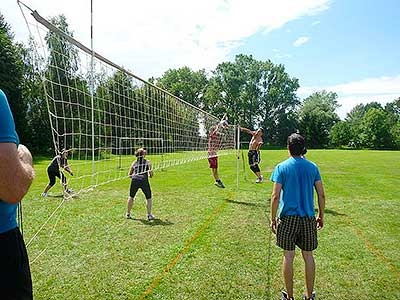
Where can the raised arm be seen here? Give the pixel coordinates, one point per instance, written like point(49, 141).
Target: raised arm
point(16, 172)
point(319, 187)
point(246, 130)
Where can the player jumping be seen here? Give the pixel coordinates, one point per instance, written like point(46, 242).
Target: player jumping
point(254, 151)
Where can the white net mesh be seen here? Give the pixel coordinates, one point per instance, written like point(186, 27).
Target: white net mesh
point(125, 113)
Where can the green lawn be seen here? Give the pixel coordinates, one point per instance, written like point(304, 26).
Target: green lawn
point(210, 243)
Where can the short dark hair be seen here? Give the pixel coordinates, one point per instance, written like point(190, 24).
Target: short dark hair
point(296, 144)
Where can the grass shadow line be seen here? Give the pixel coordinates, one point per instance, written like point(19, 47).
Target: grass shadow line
point(246, 203)
point(155, 222)
point(333, 212)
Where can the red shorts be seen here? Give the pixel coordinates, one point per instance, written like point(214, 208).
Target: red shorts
point(213, 162)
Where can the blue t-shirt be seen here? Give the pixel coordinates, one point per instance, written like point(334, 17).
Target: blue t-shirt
point(7, 135)
point(297, 176)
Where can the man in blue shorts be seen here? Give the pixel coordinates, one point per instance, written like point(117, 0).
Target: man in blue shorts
point(294, 182)
point(16, 175)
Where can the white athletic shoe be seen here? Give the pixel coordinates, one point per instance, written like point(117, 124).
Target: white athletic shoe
point(44, 194)
point(150, 217)
point(260, 179)
point(69, 191)
point(128, 216)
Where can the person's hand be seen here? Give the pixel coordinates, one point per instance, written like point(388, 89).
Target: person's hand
point(320, 223)
point(24, 154)
point(273, 226)
point(72, 174)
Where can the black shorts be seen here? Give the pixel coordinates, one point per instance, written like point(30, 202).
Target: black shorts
point(144, 185)
point(254, 157)
point(52, 173)
point(15, 275)
point(299, 231)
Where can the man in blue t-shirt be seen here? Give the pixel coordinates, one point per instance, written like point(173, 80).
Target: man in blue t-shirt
point(294, 182)
point(16, 175)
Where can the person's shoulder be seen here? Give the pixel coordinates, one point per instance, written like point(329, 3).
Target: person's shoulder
point(2, 95)
point(310, 164)
point(283, 164)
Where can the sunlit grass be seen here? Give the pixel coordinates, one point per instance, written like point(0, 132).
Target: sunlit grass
point(216, 242)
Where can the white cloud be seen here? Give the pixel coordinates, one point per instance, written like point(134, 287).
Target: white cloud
point(301, 41)
point(151, 36)
point(381, 89)
point(315, 23)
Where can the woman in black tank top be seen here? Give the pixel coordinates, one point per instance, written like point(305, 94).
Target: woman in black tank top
point(140, 171)
point(53, 171)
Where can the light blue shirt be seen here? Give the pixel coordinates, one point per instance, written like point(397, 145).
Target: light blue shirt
point(7, 135)
point(297, 176)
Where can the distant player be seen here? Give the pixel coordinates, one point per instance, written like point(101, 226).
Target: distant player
point(53, 171)
point(254, 151)
point(214, 144)
point(139, 172)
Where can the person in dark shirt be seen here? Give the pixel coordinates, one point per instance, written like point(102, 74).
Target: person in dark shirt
point(53, 171)
point(140, 171)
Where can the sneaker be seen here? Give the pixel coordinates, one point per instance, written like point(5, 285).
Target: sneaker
point(311, 298)
point(260, 179)
point(150, 217)
point(44, 194)
point(285, 296)
point(128, 216)
point(69, 191)
point(219, 184)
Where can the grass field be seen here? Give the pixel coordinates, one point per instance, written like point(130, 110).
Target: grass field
point(210, 243)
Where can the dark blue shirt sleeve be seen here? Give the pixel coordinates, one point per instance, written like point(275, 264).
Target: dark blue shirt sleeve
point(7, 126)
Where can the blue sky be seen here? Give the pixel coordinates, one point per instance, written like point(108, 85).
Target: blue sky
point(347, 46)
point(350, 41)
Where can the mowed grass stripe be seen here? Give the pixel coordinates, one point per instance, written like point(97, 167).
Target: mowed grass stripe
point(370, 246)
point(185, 248)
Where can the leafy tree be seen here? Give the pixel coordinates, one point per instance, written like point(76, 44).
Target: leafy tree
point(317, 116)
point(340, 134)
point(186, 84)
point(40, 140)
point(254, 93)
point(11, 76)
point(394, 108)
point(376, 130)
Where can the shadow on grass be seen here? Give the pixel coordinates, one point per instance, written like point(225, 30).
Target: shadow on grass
point(155, 222)
point(55, 196)
point(246, 203)
point(332, 212)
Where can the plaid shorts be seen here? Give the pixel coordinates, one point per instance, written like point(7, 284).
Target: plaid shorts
point(296, 230)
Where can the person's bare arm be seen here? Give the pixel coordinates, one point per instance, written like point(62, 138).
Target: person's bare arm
point(247, 130)
point(68, 169)
point(130, 173)
point(16, 172)
point(151, 173)
point(319, 187)
point(276, 193)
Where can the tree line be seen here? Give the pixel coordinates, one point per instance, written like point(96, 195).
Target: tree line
point(253, 93)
